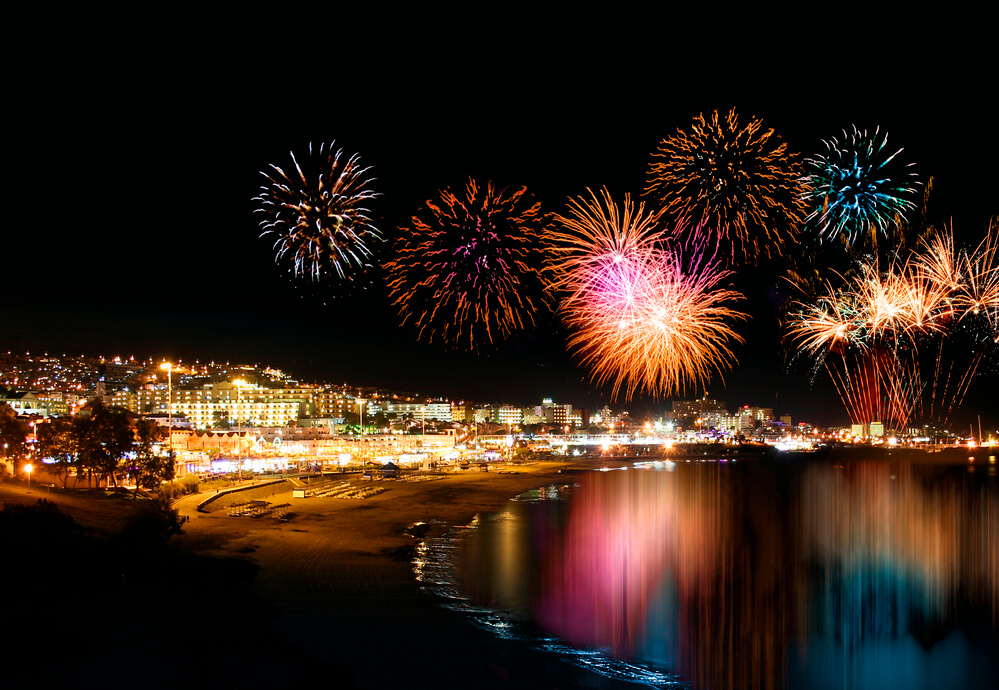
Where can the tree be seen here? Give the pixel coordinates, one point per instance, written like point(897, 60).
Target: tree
point(13, 432)
point(103, 437)
point(150, 468)
point(151, 525)
point(220, 420)
point(56, 441)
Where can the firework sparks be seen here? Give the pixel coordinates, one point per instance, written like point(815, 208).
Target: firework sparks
point(856, 186)
point(939, 262)
point(738, 185)
point(597, 241)
point(969, 280)
point(980, 271)
point(900, 301)
point(465, 274)
point(834, 321)
point(638, 319)
point(318, 216)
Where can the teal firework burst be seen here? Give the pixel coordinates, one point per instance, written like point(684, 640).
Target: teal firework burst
point(857, 186)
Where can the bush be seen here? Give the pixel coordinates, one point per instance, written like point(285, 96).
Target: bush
point(179, 487)
point(153, 523)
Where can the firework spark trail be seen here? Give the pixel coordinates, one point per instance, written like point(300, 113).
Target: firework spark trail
point(939, 262)
point(967, 281)
point(927, 303)
point(980, 285)
point(734, 186)
point(856, 186)
point(639, 320)
point(465, 273)
point(318, 214)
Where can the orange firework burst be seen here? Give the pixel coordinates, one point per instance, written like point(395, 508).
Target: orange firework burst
point(599, 240)
point(739, 185)
point(638, 319)
point(466, 273)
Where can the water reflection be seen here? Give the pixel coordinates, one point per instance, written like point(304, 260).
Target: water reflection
point(761, 575)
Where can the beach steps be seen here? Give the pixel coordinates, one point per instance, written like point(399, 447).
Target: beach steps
point(258, 509)
point(420, 477)
point(332, 488)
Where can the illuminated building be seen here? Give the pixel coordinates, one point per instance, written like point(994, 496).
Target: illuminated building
point(226, 404)
point(533, 415)
point(505, 414)
point(329, 401)
point(438, 410)
point(462, 412)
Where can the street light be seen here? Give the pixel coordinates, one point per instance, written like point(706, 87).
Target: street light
point(168, 367)
point(360, 448)
point(239, 426)
point(28, 468)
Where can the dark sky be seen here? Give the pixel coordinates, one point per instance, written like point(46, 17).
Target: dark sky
point(134, 165)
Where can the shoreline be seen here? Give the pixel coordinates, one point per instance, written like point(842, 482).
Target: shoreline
point(338, 583)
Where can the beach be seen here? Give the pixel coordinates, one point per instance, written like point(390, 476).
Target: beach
point(329, 595)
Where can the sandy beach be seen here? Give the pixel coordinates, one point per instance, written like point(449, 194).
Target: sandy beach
point(329, 595)
point(340, 579)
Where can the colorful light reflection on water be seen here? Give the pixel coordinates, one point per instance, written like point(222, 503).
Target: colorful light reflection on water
point(756, 574)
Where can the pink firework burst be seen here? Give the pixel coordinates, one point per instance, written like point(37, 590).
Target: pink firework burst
point(639, 318)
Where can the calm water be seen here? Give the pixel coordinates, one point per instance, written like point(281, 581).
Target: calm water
point(833, 573)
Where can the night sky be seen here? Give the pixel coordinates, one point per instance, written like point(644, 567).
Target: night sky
point(135, 166)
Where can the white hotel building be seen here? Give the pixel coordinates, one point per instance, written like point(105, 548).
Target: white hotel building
point(211, 404)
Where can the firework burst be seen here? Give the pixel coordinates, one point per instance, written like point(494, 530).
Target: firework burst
point(467, 272)
point(907, 340)
point(857, 186)
point(639, 320)
point(317, 214)
point(737, 185)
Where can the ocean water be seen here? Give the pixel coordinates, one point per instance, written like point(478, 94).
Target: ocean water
point(846, 571)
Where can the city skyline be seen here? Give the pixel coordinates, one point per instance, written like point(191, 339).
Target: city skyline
point(202, 390)
point(81, 376)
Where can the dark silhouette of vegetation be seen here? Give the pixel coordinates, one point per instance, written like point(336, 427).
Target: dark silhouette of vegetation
point(75, 600)
point(103, 437)
point(13, 431)
point(102, 442)
point(153, 523)
point(149, 468)
point(57, 441)
point(41, 526)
